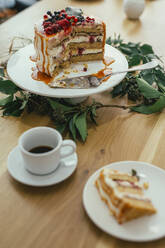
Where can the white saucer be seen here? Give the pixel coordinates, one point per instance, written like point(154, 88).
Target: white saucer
point(19, 69)
point(142, 229)
point(16, 169)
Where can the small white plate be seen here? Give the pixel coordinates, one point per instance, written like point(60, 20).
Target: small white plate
point(19, 69)
point(142, 229)
point(16, 169)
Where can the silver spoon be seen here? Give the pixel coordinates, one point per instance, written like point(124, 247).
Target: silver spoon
point(88, 81)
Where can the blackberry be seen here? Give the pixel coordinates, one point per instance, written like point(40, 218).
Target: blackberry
point(80, 18)
point(49, 13)
point(57, 16)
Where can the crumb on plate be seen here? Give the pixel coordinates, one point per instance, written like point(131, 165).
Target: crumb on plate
point(145, 185)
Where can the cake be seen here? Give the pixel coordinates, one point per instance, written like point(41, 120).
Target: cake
point(123, 195)
point(67, 36)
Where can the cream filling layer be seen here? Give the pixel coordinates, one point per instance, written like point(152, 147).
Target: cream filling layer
point(45, 57)
point(106, 196)
point(80, 39)
point(87, 51)
point(56, 51)
point(109, 182)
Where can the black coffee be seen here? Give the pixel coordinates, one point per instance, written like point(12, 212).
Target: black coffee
point(41, 149)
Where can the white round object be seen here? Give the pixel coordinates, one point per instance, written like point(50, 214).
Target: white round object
point(133, 8)
point(43, 136)
point(19, 69)
point(17, 170)
point(142, 229)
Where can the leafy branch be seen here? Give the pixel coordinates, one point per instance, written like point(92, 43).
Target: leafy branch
point(66, 117)
point(146, 89)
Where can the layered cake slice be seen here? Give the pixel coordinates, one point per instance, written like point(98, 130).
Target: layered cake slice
point(124, 195)
point(65, 37)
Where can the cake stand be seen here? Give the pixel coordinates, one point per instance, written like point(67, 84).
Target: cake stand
point(19, 69)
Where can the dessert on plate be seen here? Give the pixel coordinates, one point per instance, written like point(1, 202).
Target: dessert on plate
point(65, 37)
point(123, 195)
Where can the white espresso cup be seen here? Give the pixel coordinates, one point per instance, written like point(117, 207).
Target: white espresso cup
point(46, 162)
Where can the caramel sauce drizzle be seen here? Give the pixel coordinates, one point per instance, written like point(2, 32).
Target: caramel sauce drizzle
point(47, 58)
point(41, 76)
point(42, 50)
point(104, 38)
point(32, 58)
point(102, 73)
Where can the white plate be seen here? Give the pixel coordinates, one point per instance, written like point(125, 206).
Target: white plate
point(16, 169)
point(142, 229)
point(19, 69)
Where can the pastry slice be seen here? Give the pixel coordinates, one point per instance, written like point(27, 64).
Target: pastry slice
point(123, 195)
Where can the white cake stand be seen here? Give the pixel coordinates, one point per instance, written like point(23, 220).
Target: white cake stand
point(19, 69)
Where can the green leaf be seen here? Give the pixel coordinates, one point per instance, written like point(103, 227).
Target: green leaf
point(145, 59)
point(125, 49)
point(161, 87)
point(2, 72)
point(93, 114)
point(16, 113)
point(160, 76)
point(13, 108)
point(146, 49)
point(109, 41)
point(24, 103)
point(114, 42)
point(61, 128)
point(6, 100)
point(135, 174)
point(94, 111)
point(148, 75)
point(148, 91)
point(56, 105)
point(72, 126)
point(134, 60)
point(8, 87)
point(149, 109)
point(81, 125)
point(117, 90)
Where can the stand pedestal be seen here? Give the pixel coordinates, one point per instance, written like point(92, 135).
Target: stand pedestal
point(76, 100)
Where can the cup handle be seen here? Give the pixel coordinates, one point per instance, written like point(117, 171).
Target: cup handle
point(70, 143)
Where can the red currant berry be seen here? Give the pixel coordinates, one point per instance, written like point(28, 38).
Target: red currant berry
point(45, 17)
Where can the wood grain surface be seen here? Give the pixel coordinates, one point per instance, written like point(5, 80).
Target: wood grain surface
point(54, 216)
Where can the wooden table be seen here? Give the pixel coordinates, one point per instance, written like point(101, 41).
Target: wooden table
point(54, 216)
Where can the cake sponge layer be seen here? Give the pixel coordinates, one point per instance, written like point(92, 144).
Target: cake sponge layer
point(124, 197)
point(87, 57)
